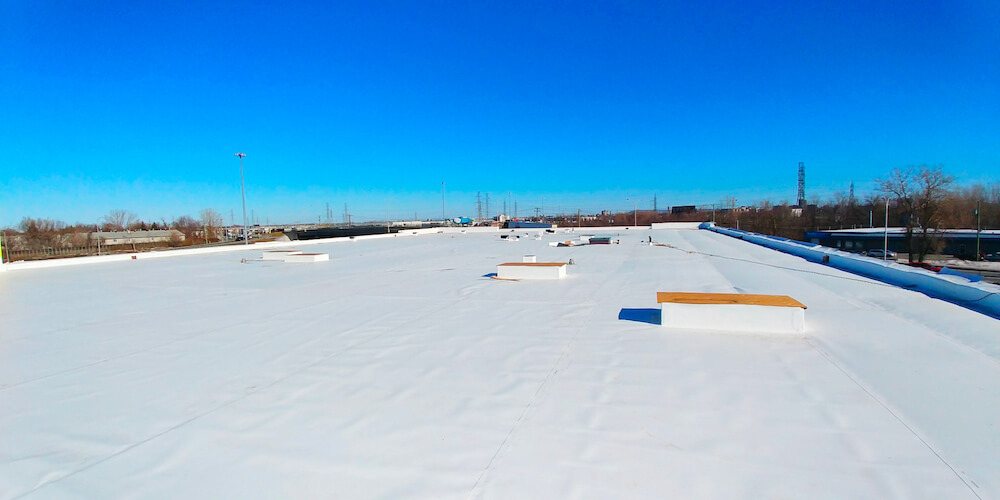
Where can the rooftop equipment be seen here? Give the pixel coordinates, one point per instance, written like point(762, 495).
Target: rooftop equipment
point(731, 312)
point(531, 271)
point(307, 257)
point(278, 254)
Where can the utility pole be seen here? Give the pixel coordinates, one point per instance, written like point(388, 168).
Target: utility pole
point(443, 217)
point(979, 228)
point(243, 192)
point(885, 244)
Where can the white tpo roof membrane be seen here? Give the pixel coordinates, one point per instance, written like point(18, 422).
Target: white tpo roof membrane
point(398, 370)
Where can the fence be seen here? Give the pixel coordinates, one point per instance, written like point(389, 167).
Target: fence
point(58, 252)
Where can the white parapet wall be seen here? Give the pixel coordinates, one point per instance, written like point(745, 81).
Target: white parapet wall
point(278, 254)
point(307, 257)
point(732, 312)
point(978, 296)
point(530, 259)
point(531, 271)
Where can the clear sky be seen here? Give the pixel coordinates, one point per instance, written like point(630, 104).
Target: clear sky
point(560, 105)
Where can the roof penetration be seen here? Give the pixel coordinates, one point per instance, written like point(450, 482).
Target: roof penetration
point(399, 367)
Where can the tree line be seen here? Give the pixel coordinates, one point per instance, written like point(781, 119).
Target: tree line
point(40, 234)
point(921, 199)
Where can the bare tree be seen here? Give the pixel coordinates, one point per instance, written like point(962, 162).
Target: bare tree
point(40, 233)
point(211, 220)
point(176, 238)
point(919, 193)
point(120, 220)
point(187, 225)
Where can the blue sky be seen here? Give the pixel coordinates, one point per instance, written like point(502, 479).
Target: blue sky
point(563, 105)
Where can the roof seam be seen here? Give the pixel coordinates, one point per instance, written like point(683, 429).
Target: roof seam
point(894, 415)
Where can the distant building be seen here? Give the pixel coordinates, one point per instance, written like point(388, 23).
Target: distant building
point(139, 237)
point(410, 223)
point(515, 224)
point(958, 242)
point(683, 209)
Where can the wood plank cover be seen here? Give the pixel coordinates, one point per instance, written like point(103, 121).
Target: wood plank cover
point(534, 264)
point(728, 298)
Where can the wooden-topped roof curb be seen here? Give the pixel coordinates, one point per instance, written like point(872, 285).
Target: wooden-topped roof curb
point(727, 298)
point(534, 264)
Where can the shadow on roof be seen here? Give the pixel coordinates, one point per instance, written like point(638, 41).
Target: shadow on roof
point(651, 316)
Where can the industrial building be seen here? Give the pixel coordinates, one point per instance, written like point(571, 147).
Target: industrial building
point(401, 367)
point(957, 242)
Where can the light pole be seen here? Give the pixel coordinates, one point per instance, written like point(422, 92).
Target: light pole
point(979, 228)
point(635, 213)
point(443, 217)
point(885, 244)
point(243, 193)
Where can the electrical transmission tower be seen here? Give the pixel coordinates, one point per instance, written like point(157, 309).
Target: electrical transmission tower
point(479, 206)
point(802, 184)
